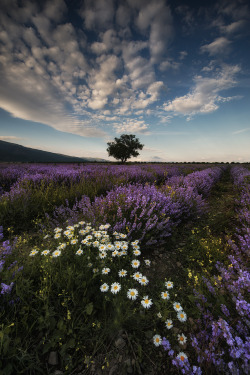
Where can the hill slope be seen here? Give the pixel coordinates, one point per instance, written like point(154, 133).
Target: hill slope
point(12, 152)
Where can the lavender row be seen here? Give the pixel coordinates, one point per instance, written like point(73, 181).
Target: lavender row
point(200, 181)
point(12, 176)
point(241, 178)
point(230, 328)
point(144, 212)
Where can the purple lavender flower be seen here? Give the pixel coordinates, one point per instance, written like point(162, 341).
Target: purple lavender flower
point(6, 288)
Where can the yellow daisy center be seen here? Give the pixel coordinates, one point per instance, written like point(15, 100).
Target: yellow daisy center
point(182, 315)
point(182, 357)
point(181, 338)
point(157, 339)
point(132, 293)
point(146, 301)
point(177, 306)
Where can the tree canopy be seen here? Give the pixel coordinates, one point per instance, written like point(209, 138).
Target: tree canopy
point(125, 147)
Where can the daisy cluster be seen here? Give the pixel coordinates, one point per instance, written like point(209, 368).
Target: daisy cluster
point(169, 323)
point(118, 263)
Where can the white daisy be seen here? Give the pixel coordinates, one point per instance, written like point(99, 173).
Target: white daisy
point(182, 339)
point(81, 222)
point(95, 270)
point(105, 271)
point(159, 315)
point(135, 246)
point(102, 247)
point(132, 294)
point(114, 253)
point(89, 237)
point(177, 306)
point(169, 284)
point(147, 262)
point(123, 235)
point(33, 252)
point(122, 273)
point(137, 276)
point(124, 252)
point(182, 316)
point(124, 246)
point(57, 235)
point(110, 246)
point(182, 356)
point(144, 280)
point(82, 232)
point(136, 253)
point(117, 245)
point(165, 295)
point(96, 243)
point(70, 227)
point(45, 252)
point(103, 255)
point(84, 242)
point(146, 302)
point(57, 230)
point(79, 252)
point(74, 241)
point(90, 265)
point(169, 324)
point(104, 287)
point(135, 263)
point(157, 340)
point(56, 253)
point(115, 288)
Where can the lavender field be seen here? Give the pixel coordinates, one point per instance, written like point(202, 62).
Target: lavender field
point(124, 269)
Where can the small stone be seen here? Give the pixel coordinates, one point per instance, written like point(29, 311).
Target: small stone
point(120, 343)
point(53, 358)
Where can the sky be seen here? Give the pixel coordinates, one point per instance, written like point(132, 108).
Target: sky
point(76, 74)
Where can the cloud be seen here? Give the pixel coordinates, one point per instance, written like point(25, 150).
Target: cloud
point(157, 17)
point(233, 27)
point(97, 14)
point(10, 138)
point(131, 126)
point(241, 131)
point(204, 97)
point(219, 46)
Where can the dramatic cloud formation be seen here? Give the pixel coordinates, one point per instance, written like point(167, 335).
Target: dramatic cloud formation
point(204, 97)
point(100, 68)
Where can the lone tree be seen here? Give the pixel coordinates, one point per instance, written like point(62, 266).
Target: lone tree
point(125, 147)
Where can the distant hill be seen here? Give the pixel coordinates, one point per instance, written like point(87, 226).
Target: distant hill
point(12, 152)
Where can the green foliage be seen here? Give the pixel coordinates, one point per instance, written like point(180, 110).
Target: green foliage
point(125, 147)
